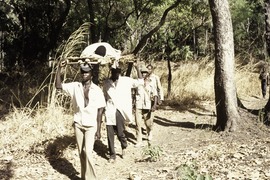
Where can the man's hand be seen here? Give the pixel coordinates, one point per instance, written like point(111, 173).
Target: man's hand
point(135, 65)
point(154, 107)
point(58, 81)
point(99, 119)
point(97, 136)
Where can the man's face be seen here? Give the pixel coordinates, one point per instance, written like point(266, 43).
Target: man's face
point(144, 74)
point(115, 74)
point(149, 69)
point(86, 76)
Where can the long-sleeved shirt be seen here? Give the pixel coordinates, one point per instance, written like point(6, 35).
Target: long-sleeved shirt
point(118, 96)
point(156, 83)
point(145, 94)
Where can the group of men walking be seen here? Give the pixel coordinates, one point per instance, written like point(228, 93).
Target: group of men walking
point(114, 99)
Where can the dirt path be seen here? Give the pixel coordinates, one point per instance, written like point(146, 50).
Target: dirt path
point(186, 138)
point(173, 132)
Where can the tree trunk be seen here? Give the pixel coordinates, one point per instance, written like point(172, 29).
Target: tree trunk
point(267, 40)
point(224, 83)
point(205, 50)
point(169, 77)
point(267, 26)
point(129, 69)
point(93, 26)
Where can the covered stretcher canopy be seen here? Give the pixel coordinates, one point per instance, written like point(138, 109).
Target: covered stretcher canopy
point(102, 51)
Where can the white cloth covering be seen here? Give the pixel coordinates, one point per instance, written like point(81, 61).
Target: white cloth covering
point(118, 96)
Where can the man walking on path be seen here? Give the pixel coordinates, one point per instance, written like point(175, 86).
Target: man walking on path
point(156, 83)
point(88, 105)
point(146, 103)
point(117, 91)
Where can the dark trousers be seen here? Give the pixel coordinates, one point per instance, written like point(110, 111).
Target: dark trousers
point(119, 129)
point(264, 87)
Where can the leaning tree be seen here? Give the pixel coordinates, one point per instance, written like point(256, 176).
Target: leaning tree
point(224, 83)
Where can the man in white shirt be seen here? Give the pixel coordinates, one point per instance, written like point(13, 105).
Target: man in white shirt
point(156, 83)
point(146, 104)
point(88, 105)
point(117, 91)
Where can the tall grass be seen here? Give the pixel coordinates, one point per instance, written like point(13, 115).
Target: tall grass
point(71, 48)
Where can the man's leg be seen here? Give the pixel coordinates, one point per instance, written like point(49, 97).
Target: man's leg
point(138, 119)
point(79, 134)
point(120, 125)
point(110, 137)
point(89, 146)
point(264, 87)
point(148, 117)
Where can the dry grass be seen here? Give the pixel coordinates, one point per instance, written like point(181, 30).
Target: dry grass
point(193, 82)
point(24, 131)
point(247, 82)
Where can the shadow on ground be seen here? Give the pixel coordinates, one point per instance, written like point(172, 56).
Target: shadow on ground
point(260, 113)
point(130, 136)
point(6, 170)
point(166, 122)
point(101, 149)
point(184, 105)
point(54, 153)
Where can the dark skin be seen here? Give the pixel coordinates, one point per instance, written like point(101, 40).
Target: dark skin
point(154, 107)
point(86, 81)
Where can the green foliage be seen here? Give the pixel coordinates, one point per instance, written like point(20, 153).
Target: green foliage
point(153, 153)
point(248, 24)
point(34, 29)
point(184, 33)
point(186, 172)
point(36, 33)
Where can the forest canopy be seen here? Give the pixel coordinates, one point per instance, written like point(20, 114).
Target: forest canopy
point(32, 31)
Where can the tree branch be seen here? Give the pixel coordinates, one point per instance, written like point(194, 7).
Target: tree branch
point(155, 29)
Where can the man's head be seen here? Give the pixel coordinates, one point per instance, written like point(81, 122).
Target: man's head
point(115, 73)
point(150, 68)
point(86, 72)
point(144, 72)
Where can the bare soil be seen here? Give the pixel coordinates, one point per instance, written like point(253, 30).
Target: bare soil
point(187, 143)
